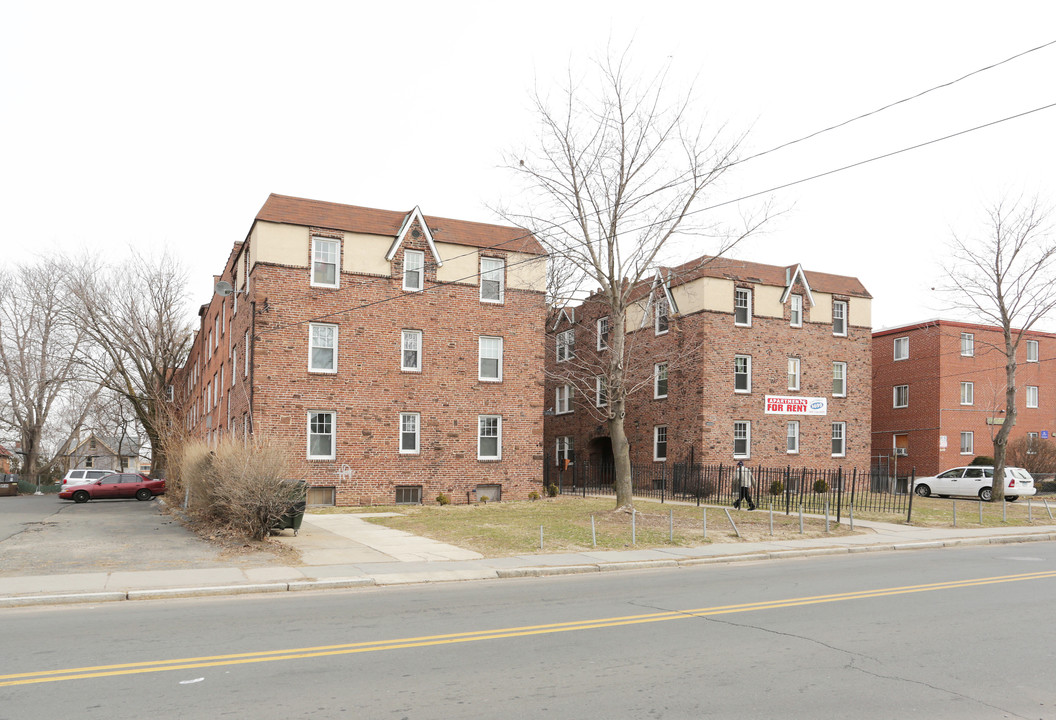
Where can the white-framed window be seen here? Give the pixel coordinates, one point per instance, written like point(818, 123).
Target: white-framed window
point(967, 443)
point(660, 315)
point(601, 391)
point(902, 348)
point(1032, 443)
point(967, 344)
point(660, 443)
point(234, 365)
point(793, 373)
point(901, 396)
point(660, 380)
point(490, 359)
point(322, 348)
point(410, 424)
point(839, 379)
point(563, 399)
point(245, 360)
point(792, 434)
point(326, 262)
point(411, 350)
point(565, 343)
point(1032, 350)
point(413, 270)
point(839, 317)
point(216, 333)
point(321, 435)
point(839, 439)
point(1032, 396)
point(489, 437)
point(742, 307)
point(795, 311)
point(603, 333)
point(564, 449)
point(967, 393)
point(492, 279)
point(742, 373)
point(742, 438)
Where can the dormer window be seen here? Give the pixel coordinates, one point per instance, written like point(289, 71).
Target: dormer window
point(326, 257)
point(742, 307)
point(491, 279)
point(661, 316)
point(413, 270)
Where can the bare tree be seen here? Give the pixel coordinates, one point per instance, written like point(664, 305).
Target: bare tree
point(619, 173)
point(1005, 279)
point(135, 314)
point(40, 352)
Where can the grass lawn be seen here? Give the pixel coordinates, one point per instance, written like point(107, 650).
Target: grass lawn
point(512, 528)
point(938, 512)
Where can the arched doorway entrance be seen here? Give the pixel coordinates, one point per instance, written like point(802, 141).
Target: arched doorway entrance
point(601, 463)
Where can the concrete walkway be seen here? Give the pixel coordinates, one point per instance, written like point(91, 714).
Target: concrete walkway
point(342, 551)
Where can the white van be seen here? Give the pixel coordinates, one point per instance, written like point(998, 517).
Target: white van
point(976, 481)
point(83, 476)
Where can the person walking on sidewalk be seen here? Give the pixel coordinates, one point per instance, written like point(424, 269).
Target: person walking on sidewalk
point(742, 477)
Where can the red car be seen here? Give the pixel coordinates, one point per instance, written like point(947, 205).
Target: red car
point(115, 485)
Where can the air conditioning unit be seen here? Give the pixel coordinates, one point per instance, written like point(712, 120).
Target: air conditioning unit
point(901, 452)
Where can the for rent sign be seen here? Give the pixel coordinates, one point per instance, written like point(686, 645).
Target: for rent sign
point(794, 405)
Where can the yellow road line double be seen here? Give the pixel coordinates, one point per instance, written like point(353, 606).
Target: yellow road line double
point(81, 673)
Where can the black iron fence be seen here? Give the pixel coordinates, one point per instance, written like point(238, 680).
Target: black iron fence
point(787, 488)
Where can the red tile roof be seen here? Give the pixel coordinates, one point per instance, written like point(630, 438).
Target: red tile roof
point(733, 269)
point(351, 218)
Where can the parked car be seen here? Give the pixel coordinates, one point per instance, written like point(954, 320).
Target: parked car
point(83, 476)
point(115, 485)
point(976, 481)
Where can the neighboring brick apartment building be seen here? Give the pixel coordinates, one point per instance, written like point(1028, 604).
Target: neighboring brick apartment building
point(939, 392)
point(395, 356)
point(733, 360)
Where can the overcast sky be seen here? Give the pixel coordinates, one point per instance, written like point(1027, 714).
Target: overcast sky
point(167, 125)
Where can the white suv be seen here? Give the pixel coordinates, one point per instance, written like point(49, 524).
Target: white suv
point(976, 481)
point(83, 476)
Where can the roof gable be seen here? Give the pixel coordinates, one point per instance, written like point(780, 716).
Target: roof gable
point(791, 275)
point(408, 223)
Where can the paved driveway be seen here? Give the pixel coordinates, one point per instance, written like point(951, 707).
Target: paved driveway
point(42, 535)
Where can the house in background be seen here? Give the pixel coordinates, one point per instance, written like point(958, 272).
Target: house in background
point(939, 392)
point(6, 457)
point(105, 453)
point(733, 360)
point(392, 355)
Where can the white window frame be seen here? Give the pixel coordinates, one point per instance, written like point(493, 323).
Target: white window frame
point(601, 382)
point(839, 433)
point(840, 310)
point(481, 343)
point(498, 435)
point(747, 373)
point(564, 344)
point(562, 399)
point(419, 255)
point(839, 372)
point(603, 333)
point(967, 393)
point(332, 434)
point(245, 369)
point(405, 335)
point(794, 371)
point(312, 328)
point(905, 399)
point(903, 343)
point(1032, 396)
point(658, 432)
point(792, 437)
point(318, 256)
point(660, 369)
point(661, 310)
point(968, 448)
point(495, 273)
point(1032, 351)
point(563, 449)
point(745, 293)
point(795, 312)
point(967, 344)
point(746, 437)
point(414, 429)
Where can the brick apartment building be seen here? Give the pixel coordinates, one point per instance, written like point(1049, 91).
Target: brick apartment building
point(732, 360)
point(939, 392)
point(394, 356)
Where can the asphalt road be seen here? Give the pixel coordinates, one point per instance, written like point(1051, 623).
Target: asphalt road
point(956, 633)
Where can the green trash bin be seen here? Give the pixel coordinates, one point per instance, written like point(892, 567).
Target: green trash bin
point(295, 514)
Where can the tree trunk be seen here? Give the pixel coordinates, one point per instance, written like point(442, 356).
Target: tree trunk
point(621, 455)
point(1001, 441)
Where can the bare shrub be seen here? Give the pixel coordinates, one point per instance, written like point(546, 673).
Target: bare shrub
point(1034, 455)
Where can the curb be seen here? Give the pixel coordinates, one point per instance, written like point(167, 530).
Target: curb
point(499, 573)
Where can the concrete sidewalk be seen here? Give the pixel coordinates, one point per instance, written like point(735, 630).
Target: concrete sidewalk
point(343, 551)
